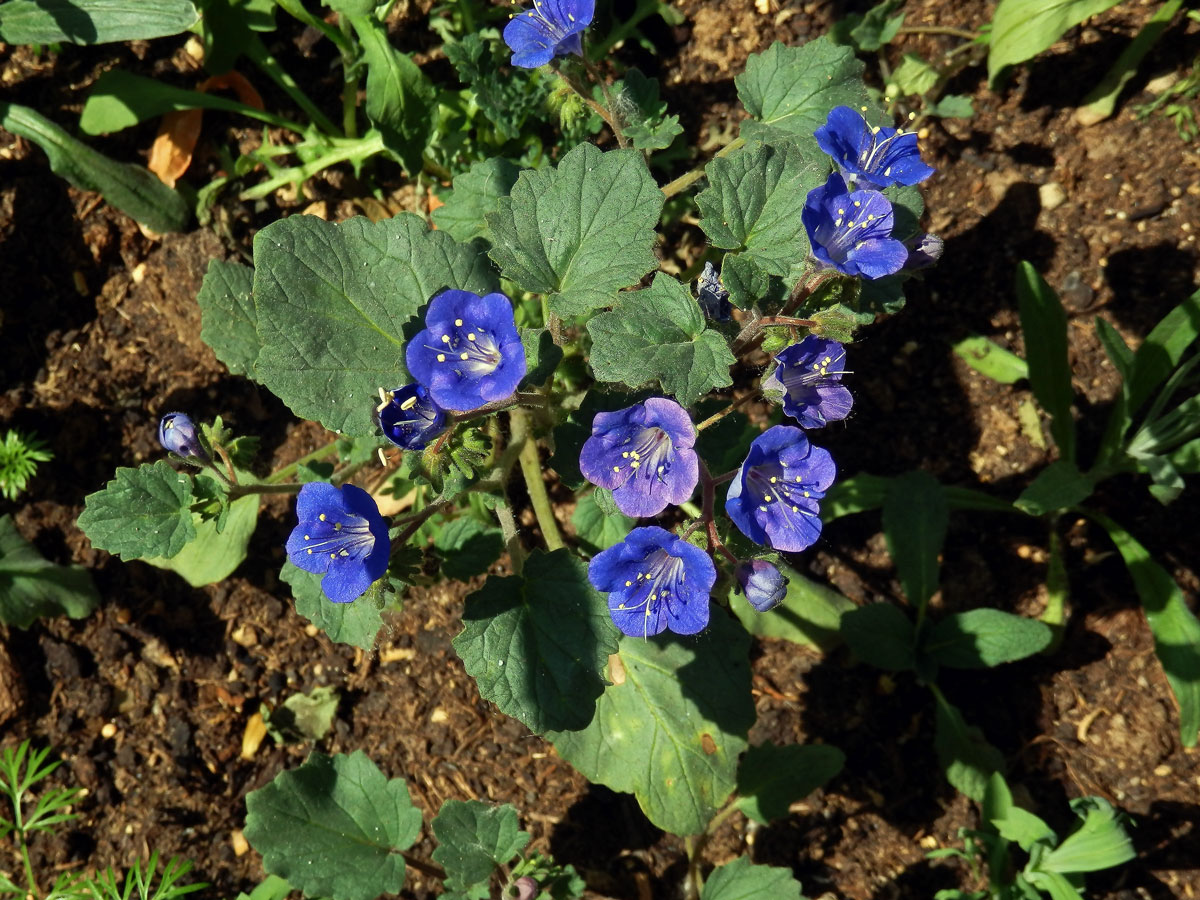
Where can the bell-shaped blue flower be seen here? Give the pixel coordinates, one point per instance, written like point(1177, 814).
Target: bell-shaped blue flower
point(644, 455)
point(409, 417)
point(870, 156)
point(851, 231)
point(809, 374)
point(177, 433)
point(552, 28)
point(762, 583)
point(470, 353)
point(655, 581)
point(774, 497)
point(342, 535)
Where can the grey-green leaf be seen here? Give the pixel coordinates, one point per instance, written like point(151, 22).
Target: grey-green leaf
point(598, 531)
point(915, 515)
point(671, 726)
point(579, 231)
point(213, 556)
point(467, 547)
point(356, 623)
point(331, 302)
point(334, 827)
point(536, 643)
point(771, 778)
point(1021, 29)
point(93, 21)
point(753, 199)
point(963, 752)
point(227, 315)
point(473, 839)
point(659, 334)
point(1059, 486)
point(881, 635)
point(32, 587)
point(476, 193)
point(981, 638)
point(1044, 326)
point(742, 880)
point(131, 189)
point(989, 358)
point(142, 512)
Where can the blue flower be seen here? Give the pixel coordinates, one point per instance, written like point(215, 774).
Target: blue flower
point(342, 535)
point(409, 417)
point(644, 455)
point(851, 231)
point(809, 374)
point(177, 433)
point(712, 296)
point(654, 581)
point(764, 585)
point(870, 157)
point(470, 353)
point(923, 251)
point(773, 498)
point(552, 28)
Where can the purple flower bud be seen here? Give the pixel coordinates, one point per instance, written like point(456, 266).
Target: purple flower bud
point(923, 251)
point(764, 585)
point(409, 417)
point(177, 433)
point(527, 888)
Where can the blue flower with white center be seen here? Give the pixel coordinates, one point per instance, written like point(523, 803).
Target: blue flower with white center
point(809, 374)
point(851, 231)
point(654, 581)
point(552, 28)
point(177, 433)
point(342, 535)
point(470, 353)
point(644, 455)
point(762, 583)
point(409, 417)
point(774, 497)
point(870, 156)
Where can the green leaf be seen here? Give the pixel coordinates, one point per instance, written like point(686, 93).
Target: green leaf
point(1044, 325)
point(272, 888)
point(907, 208)
point(1175, 627)
point(595, 530)
point(871, 31)
point(131, 189)
point(859, 493)
point(331, 301)
point(32, 587)
point(792, 89)
point(750, 203)
point(356, 623)
point(334, 827)
point(468, 547)
point(474, 839)
point(1021, 29)
point(1023, 827)
point(1059, 486)
point(659, 334)
point(536, 643)
point(915, 515)
point(981, 638)
point(304, 716)
point(810, 613)
point(914, 76)
point(542, 355)
point(212, 556)
point(990, 359)
point(227, 315)
point(93, 21)
point(1101, 100)
point(646, 123)
point(963, 753)
point(613, 203)
point(401, 100)
point(952, 106)
point(142, 512)
point(749, 283)
point(742, 880)
point(670, 727)
point(881, 635)
point(1162, 350)
point(1101, 842)
point(506, 97)
point(476, 193)
point(771, 778)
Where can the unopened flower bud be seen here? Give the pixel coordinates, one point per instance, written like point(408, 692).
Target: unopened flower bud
point(177, 433)
point(764, 585)
point(527, 888)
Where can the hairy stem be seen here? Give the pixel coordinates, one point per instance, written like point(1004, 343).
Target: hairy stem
point(512, 540)
point(290, 469)
point(531, 469)
point(599, 110)
point(349, 82)
point(722, 413)
point(614, 117)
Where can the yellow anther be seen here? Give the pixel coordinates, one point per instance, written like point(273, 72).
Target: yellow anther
point(445, 338)
point(634, 464)
point(629, 584)
point(321, 517)
point(773, 479)
point(441, 357)
point(465, 356)
point(458, 323)
point(409, 403)
point(337, 526)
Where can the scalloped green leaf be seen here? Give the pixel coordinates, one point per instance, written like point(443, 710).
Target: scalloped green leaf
point(227, 315)
point(334, 827)
point(742, 880)
point(475, 193)
point(141, 512)
point(771, 778)
point(659, 334)
point(752, 203)
point(536, 643)
point(356, 623)
point(331, 302)
point(579, 231)
point(214, 555)
point(474, 839)
point(32, 587)
point(671, 726)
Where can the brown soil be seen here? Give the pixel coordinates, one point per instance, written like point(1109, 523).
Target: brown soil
point(147, 700)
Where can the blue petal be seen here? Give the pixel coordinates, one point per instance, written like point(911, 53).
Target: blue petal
point(318, 497)
point(346, 581)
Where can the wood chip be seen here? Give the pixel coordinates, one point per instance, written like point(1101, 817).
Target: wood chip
point(252, 737)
